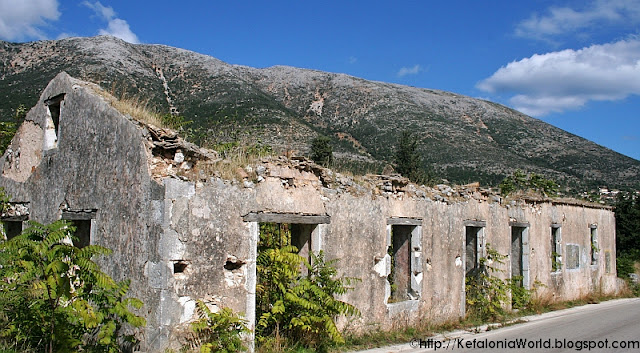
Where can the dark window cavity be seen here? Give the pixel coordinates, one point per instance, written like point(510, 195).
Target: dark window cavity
point(83, 221)
point(556, 248)
point(400, 253)
point(473, 248)
point(12, 228)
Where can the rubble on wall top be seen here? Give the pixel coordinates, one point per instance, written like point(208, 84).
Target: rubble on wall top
point(172, 156)
point(15, 210)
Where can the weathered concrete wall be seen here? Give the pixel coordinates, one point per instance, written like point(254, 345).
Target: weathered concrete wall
point(211, 230)
point(574, 222)
point(180, 240)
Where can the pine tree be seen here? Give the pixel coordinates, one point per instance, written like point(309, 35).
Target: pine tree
point(322, 151)
point(408, 161)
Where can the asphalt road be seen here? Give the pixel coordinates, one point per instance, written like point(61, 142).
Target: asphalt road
point(612, 326)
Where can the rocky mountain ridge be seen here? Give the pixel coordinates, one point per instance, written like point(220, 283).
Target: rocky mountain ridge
point(460, 138)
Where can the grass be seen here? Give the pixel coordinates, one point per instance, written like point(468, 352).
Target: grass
point(425, 329)
point(137, 108)
point(235, 159)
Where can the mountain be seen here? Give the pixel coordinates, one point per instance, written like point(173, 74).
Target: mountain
point(460, 138)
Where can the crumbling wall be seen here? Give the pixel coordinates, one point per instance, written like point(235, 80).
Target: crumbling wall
point(98, 165)
point(214, 229)
point(183, 235)
point(575, 224)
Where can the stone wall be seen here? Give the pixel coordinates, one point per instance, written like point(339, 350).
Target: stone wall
point(210, 222)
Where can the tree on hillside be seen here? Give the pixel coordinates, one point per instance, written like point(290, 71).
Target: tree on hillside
point(322, 151)
point(8, 128)
point(408, 161)
point(627, 211)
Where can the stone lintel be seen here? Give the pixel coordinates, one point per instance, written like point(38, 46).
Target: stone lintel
point(473, 223)
point(404, 221)
point(290, 218)
point(79, 215)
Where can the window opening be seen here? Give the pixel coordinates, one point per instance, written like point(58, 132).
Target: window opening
point(82, 220)
point(52, 132)
point(277, 245)
point(272, 231)
point(82, 233)
point(399, 251)
point(12, 229)
point(281, 235)
point(473, 251)
point(516, 253)
point(473, 248)
point(594, 244)
point(556, 249)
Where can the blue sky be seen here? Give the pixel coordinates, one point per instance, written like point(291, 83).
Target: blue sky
point(574, 64)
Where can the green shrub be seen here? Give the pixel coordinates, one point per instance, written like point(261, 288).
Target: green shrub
point(520, 296)
point(219, 332)
point(53, 297)
point(292, 306)
point(486, 294)
point(533, 181)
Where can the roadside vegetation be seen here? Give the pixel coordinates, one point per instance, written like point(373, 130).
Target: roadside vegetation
point(55, 298)
point(627, 213)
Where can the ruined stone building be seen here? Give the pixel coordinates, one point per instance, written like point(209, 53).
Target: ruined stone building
point(180, 233)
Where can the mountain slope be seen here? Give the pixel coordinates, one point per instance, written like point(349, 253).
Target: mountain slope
point(462, 138)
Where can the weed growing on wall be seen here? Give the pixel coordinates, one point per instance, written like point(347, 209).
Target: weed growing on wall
point(520, 296)
point(219, 332)
point(486, 293)
point(521, 181)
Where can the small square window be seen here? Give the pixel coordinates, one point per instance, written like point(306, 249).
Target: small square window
point(12, 228)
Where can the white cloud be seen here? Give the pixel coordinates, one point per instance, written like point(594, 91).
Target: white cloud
point(23, 19)
point(409, 70)
point(568, 79)
point(120, 28)
point(353, 60)
point(561, 20)
point(116, 27)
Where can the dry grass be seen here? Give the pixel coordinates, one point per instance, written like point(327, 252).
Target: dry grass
point(139, 111)
point(137, 108)
point(233, 165)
